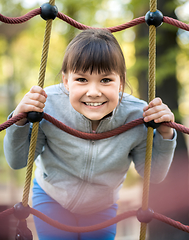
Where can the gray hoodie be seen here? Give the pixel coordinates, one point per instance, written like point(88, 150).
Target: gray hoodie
point(85, 176)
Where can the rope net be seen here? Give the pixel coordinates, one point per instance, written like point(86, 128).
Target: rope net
point(92, 136)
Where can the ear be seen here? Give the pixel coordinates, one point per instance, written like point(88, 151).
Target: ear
point(65, 81)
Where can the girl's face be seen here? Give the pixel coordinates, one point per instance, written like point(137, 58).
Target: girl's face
point(93, 95)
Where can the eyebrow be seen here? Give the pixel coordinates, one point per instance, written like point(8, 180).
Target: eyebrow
point(102, 74)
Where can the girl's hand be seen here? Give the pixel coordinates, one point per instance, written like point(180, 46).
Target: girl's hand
point(159, 112)
point(34, 100)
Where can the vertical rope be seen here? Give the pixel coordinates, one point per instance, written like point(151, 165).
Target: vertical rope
point(153, 5)
point(34, 133)
point(151, 96)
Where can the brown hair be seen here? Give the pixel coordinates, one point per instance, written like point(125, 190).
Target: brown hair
point(95, 50)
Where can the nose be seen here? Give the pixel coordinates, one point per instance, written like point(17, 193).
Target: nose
point(93, 91)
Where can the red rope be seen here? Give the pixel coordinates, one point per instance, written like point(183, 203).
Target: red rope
point(12, 120)
point(80, 26)
point(177, 126)
point(107, 223)
point(176, 23)
point(74, 23)
point(93, 136)
point(124, 26)
point(6, 213)
point(171, 222)
point(24, 18)
point(116, 131)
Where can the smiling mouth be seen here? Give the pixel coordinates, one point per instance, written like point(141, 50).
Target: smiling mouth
point(95, 104)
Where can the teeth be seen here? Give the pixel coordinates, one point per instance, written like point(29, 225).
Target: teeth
point(94, 104)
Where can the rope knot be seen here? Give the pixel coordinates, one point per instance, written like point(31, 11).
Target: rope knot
point(21, 212)
point(145, 216)
point(154, 18)
point(49, 11)
point(35, 116)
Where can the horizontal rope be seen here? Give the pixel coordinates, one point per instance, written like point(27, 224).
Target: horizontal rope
point(177, 126)
point(74, 23)
point(105, 224)
point(171, 222)
point(176, 23)
point(12, 120)
point(116, 131)
point(92, 136)
point(6, 213)
point(110, 222)
point(80, 26)
point(22, 19)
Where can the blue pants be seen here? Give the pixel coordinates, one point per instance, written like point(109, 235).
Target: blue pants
point(45, 204)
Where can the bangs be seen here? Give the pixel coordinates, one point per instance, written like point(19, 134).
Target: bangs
point(94, 57)
point(94, 52)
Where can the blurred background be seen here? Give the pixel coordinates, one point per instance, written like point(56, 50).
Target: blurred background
point(20, 55)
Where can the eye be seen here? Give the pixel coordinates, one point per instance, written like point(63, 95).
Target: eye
point(106, 80)
point(81, 80)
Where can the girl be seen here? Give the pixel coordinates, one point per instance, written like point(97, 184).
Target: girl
point(77, 181)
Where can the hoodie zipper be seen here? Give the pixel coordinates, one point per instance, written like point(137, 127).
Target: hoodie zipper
point(86, 178)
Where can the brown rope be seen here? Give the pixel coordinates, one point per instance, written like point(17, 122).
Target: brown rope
point(30, 161)
point(151, 96)
point(34, 133)
point(153, 5)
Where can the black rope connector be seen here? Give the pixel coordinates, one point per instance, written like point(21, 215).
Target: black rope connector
point(145, 216)
point(154, 18)
point(21, 212)
point(152, 124)
point(23, 232)
point(49, 11)
point(35, 116)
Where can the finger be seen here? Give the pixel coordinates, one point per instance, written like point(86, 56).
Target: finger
point(33, 106)
point(145, 108)
point(35, 96)
point(153, 116)
point(155, 102)
point(162, 116)
point(39, 90)
point(153, 110)
point(36, 103)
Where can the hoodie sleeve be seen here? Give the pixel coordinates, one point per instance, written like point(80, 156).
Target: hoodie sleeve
point(17, 142)
point(162, 156)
